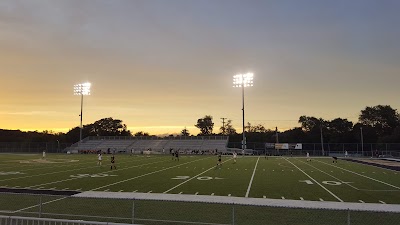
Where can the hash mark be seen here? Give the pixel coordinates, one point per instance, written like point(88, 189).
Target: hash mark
point(107, 190)
point(361, 201)
point(149, 191)
point(196, 193)
point(180, 193)
point(321, 199)
point(134, 191)
point(229, 195)
point(301, 198)
point(264, 196)
point(283, 197)
point(382, 202)
point(120, 190)
point(212, 194)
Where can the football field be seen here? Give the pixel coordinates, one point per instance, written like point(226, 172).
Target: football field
point(251, 177)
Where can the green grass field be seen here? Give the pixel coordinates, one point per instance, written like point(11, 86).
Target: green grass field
point(252, 177)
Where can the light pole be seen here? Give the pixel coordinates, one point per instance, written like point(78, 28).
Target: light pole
point(81, 89)
point(243, 80)
point(362, 142)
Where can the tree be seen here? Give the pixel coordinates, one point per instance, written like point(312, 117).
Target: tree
point(255, 129)
point(185, 132)
point(381, 117)
point(141, 134)
point(228, 129)
point(340, 130)
point(109, 127)
point(205, 125)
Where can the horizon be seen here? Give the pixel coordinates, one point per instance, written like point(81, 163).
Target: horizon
point(159, 66)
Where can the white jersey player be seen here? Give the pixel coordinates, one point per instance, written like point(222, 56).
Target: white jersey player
point(234, 157)
point(100, 158)
point(308, 157)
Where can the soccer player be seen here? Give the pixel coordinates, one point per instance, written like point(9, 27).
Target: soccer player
point(219, 163)
point(113, 162)
point(234, 157)
point(172, 153)
point(100, 158)
point(44, 155)
point(308, 157)
point(334, 159)
point(177, 155)
point(346, 154)
point(243, 153)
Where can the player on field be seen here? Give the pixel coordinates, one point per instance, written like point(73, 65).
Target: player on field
point(100, 158)
point(334, 159)
point(346, 154)
point(44, 155)
point(177, 155)
point(113, 162)
point(219, 162)
point(172, 153)
point(308, 157)
point(234, 157)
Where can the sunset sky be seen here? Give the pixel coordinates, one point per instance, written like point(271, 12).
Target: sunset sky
point(159, 65)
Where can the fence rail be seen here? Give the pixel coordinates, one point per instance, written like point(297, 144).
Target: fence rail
point(155, 209)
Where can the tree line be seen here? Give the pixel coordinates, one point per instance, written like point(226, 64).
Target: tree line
point(378, 124)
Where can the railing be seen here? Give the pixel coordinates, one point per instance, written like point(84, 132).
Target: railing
point(163, 209)
point(16, 220)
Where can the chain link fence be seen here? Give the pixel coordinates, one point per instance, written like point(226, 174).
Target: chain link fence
point(157, 212)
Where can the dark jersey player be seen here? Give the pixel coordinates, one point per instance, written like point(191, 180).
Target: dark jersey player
point(113, 162)
point(219, 162)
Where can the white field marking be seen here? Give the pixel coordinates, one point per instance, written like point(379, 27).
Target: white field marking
point(195, 168)
point(315, 181)
point(321, 199)
point(63, 171)
point(229, 195)
point(283, 198)
point(149, 191)
point(263, 169)
point(273, 170)
point(146, 174)
point(59, 181)
point(120, 190)
point(135, 191)
point(382, 202)
point(361, 201)
point(384, 172)
point(236, 169)
point(44, 203)
point(196, 193)
point(212, 194)
point(301, 198)
point(391, 185)
point(347, 183)
point(264, 196)
point(107, 190)
point(65, 188)
point(53, 166)
point(16, 186)
point(79, 189)
point(180, 192)
point(191, 178)
point(251, 180)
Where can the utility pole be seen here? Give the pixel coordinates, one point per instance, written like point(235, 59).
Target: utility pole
point(276, 134)
point(223, 125)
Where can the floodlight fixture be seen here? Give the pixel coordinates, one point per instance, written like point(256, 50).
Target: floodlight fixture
point(82, 89)
point(243, 80)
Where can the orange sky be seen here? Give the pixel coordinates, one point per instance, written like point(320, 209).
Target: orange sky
point(160, 66)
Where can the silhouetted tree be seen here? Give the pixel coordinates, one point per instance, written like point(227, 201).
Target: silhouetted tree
point(205, 125)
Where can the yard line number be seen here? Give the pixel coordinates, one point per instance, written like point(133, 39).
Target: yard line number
point(199, 178)
point(328, 182)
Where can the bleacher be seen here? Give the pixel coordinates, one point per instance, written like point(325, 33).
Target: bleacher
point(139, 144)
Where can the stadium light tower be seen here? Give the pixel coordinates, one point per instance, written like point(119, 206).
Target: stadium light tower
point(243, 80)
point(82, 89)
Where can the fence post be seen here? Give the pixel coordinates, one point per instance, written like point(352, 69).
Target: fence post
point(233, 214)
point(40, 206)
point(133, 211)
point(348, 217)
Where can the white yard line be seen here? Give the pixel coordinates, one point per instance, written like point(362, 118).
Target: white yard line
point(192, 178)
point(391, 185)
point(63, 171)
point(329, 175)
point(251, 180)
point(315, 181)
point(146, 174)
point(19, 210)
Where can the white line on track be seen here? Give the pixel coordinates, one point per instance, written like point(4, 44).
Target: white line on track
point(192, 178)
point(146, 174)
point(391, 185)
point(315, 181)
point(251, 180)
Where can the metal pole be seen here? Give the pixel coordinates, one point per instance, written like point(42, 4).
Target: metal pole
point(348, 217)
point(362, 142)
point(322, 142)
point(80, 133)
point(244, 135)
point(40, 206)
